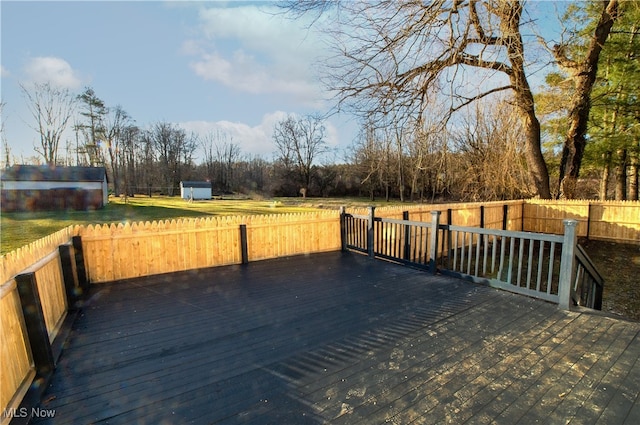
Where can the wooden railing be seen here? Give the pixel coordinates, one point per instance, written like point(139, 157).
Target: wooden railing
point(533, 264)
point(33, 307)
point(589, 283)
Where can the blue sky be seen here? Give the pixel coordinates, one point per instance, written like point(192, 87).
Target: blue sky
point(233, 67)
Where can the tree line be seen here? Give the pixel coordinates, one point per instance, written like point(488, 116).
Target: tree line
point(446, 110)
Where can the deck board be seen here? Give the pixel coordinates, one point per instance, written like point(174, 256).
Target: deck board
point(338, 338)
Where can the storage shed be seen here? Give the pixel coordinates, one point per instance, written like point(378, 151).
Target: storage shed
point(45, 188)
point(195, 190)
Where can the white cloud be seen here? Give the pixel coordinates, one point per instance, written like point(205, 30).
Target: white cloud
point(243, 72)
point(4, 72)
point(254, 140)
point(253, 49)
point(55, 71)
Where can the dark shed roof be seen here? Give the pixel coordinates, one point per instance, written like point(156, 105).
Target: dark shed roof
point(206, 185)
point(47, 173)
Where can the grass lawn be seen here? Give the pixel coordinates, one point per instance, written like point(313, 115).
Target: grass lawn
point(19, 229)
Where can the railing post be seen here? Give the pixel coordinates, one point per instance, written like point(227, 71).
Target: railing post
point(449, 248)
point(69, 275)
point(407, 236)
point(433, 244)
point(35, 323)
point(370, 232)
point(83, 281)
point(343, 229)
point(505, 217)
point(244, 250)
point(567, 264)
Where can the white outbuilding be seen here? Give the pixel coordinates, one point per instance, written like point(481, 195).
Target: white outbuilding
point(192, 190)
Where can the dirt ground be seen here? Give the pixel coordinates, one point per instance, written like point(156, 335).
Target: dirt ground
point(620, 266)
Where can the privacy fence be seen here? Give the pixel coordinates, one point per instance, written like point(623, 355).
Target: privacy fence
point(43, 281)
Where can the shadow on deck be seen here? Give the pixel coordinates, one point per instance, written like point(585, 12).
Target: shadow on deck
point(338, 338)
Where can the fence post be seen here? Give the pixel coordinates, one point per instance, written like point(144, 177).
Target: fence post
point(407, 236)
point(505, 216)
point(343, 229)
point(69, 275)
point(370, 232)
point(449, 248)
point(83, 281)
point(36, 327)
point(567, 264)
point(433, 244)
point(589, 212)
point(244, 250)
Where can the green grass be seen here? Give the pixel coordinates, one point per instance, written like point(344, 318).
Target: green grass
point(19, 229)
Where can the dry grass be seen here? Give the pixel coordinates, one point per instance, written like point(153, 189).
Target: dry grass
point(620, 266)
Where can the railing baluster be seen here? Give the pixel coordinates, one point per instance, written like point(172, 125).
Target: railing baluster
point(530, 264)
point(552, 252)
point(493, 253)
point(478, 254)
point(484, 255)
point(501, 265)
point(540, 264)
point(398, 241)
point(520, 255)
point(510, 269)
point(470, 253)
point(463, 251)
point(455, 249)
point(418, 247)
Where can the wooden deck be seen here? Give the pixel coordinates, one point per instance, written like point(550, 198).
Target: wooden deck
point(338, 338)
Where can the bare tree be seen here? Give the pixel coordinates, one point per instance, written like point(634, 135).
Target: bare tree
point(392, 58)
point(52, 108)
point(227, 154)
point(114, 124)
point(491, 160)
point(129, 157)
point(169, 143)
point(221, 156)
point(367, 154)
point(6, 157)
point(299, 143)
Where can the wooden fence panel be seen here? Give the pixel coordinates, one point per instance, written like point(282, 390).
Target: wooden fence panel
point(15, 262)
point(52, 293)
point(547, 216)
point(608, 220)
point(292, 234)
point(615, 221)
point(494, 215)
point(15, 354)
point(169, 246)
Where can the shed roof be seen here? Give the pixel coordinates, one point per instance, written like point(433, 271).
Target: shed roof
point(47, 173)
point(195, 184)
